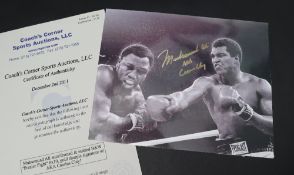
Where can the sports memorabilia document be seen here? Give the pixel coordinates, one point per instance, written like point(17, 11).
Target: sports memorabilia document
point(48, 74)
point(183, 82)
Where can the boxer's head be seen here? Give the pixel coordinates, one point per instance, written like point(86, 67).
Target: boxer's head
point(135, 62)
point(226, 55)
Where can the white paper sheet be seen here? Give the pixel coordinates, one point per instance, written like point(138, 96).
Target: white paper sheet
point(47, 80)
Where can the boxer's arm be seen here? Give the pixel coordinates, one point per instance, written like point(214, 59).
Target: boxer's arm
point(264, 120)
point(140, 106)
point(103, 121)
point(182, 99)
point(149, 124)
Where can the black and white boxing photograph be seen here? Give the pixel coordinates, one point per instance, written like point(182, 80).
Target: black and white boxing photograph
point(184, 83)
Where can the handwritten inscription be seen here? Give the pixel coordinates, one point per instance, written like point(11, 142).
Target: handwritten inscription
point(188, 66)
point(198, 66)
point(169, 59)
point(187, 62)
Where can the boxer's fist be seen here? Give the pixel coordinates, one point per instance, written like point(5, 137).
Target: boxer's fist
point(137, 122)
point(229, 97)
point(156, 106)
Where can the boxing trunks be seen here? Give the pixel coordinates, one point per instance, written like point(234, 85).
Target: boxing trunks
point(245, 147)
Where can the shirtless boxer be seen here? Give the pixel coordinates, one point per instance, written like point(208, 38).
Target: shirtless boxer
point(119, 105)
point(239, 103)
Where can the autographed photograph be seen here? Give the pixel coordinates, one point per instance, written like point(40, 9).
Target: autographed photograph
point(184, 83)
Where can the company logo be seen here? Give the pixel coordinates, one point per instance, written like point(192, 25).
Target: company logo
point(239, 148)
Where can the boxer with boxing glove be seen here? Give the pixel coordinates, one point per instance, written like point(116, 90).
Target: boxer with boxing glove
point(119, 105)
point(239, 103)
